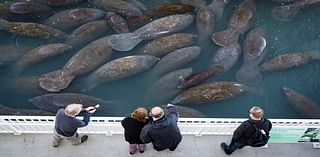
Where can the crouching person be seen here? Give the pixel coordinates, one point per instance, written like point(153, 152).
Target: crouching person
point(162, 131)
point(252, 132)
point(66, 124)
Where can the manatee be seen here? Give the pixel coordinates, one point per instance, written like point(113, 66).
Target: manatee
point(169, 9)
point(166, 44)
point(197, 4)
point(27, 84)
point(53, 102)
point(217, 7)
point(87, 33)
point(175, 60)
point(288, 12)
point(198, 77)
point(254, 50)
point(284, 1)
point(39, 54)
point(4, 10)
point(119, 6)
point(165, 88)
point(226, 56)
point(210, 92)
point(239, 23)
point(4, 110)
point(137, 21)
point(25, 11)
point(84, 61)
point(72, 18)
point(138, 4)
point(10, 53)
point(301, 104)
point(185, 112)
point(32, 30)
point(120, 68)
point(57, 3)
point(152, 30)
point(117, 22)
point(205, 23)
point(290, 60)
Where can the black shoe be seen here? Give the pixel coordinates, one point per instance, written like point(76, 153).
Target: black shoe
point(141, 151)
point(223, 146)
point(84, 138)
point(131, 153)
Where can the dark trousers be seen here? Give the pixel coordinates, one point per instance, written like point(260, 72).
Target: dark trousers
point(233, 146)
point(161, 149)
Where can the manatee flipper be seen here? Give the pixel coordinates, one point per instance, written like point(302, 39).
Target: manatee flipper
point(248, 74)
point(56, 80)
point(225, 37)
point(285, 13)
point(123, 41)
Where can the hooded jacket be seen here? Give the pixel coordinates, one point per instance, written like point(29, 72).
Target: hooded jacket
point(164, 132)
point(246, 130)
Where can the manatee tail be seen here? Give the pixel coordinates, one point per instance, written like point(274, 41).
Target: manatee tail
point(285, 13)
point(249, 74)
point(225, 37)
point(123, 41)
point(56, 80)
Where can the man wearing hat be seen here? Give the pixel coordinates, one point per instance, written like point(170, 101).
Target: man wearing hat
point(243, 135)
point(66, 124)
point(163, 131)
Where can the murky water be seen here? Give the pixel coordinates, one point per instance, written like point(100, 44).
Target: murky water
point(302, 33)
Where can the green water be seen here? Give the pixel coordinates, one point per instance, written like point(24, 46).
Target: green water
point(302, 33)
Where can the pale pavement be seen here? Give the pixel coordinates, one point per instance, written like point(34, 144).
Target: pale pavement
point(39, 145)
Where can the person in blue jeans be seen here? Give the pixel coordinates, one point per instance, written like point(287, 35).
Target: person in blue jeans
point(242, 136)
point(66, 124)
point(163, 130)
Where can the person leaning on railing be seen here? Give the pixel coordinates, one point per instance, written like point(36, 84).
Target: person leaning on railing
point(162, 130)
point(252, 132)
point(66, 124)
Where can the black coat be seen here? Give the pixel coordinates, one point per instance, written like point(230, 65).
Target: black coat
point(246, 130)
point(164, 132)
point(132, 130)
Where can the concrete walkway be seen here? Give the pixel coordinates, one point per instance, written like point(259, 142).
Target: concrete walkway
point(39, 145)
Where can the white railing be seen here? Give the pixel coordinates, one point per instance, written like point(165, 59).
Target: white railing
point(112, 125)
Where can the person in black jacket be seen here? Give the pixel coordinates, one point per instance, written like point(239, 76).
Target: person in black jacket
point(66, 124)
point(242, 136)
point(132, 129)
point(162, 131)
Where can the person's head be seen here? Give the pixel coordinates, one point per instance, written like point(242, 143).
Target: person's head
point(139, 114)
point(256, 113)
point(73, 110)
point(156, 113)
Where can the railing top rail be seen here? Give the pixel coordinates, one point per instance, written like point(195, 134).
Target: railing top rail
point(181, 120)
